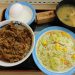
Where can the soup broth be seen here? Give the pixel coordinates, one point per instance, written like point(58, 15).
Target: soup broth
point(66, 14)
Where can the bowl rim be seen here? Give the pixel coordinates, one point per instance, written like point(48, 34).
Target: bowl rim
point(22, 3)
point(37, 37)
point(5, 64)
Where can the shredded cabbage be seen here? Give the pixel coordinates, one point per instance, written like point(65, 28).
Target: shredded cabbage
point(56, 51)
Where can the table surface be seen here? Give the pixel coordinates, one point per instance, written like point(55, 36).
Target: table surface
point(32, 72)
point(29, 67)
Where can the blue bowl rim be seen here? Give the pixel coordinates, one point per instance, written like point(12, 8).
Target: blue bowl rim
point(23, 3)
point(70, 72)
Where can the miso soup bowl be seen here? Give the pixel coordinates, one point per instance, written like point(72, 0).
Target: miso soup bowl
point(6, 64)
point(60, 4)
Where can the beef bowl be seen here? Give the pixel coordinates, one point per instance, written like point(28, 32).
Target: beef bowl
point(16, 43)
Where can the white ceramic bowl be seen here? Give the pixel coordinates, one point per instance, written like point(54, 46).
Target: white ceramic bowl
point(6, 64)
point(31, 10)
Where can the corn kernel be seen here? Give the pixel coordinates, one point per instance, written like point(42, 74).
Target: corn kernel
point(73, 56)
point(44, 43)
point(64, 49)
point(62, 59)
point(68, 35)
point(65, 34)
point(58, 47)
